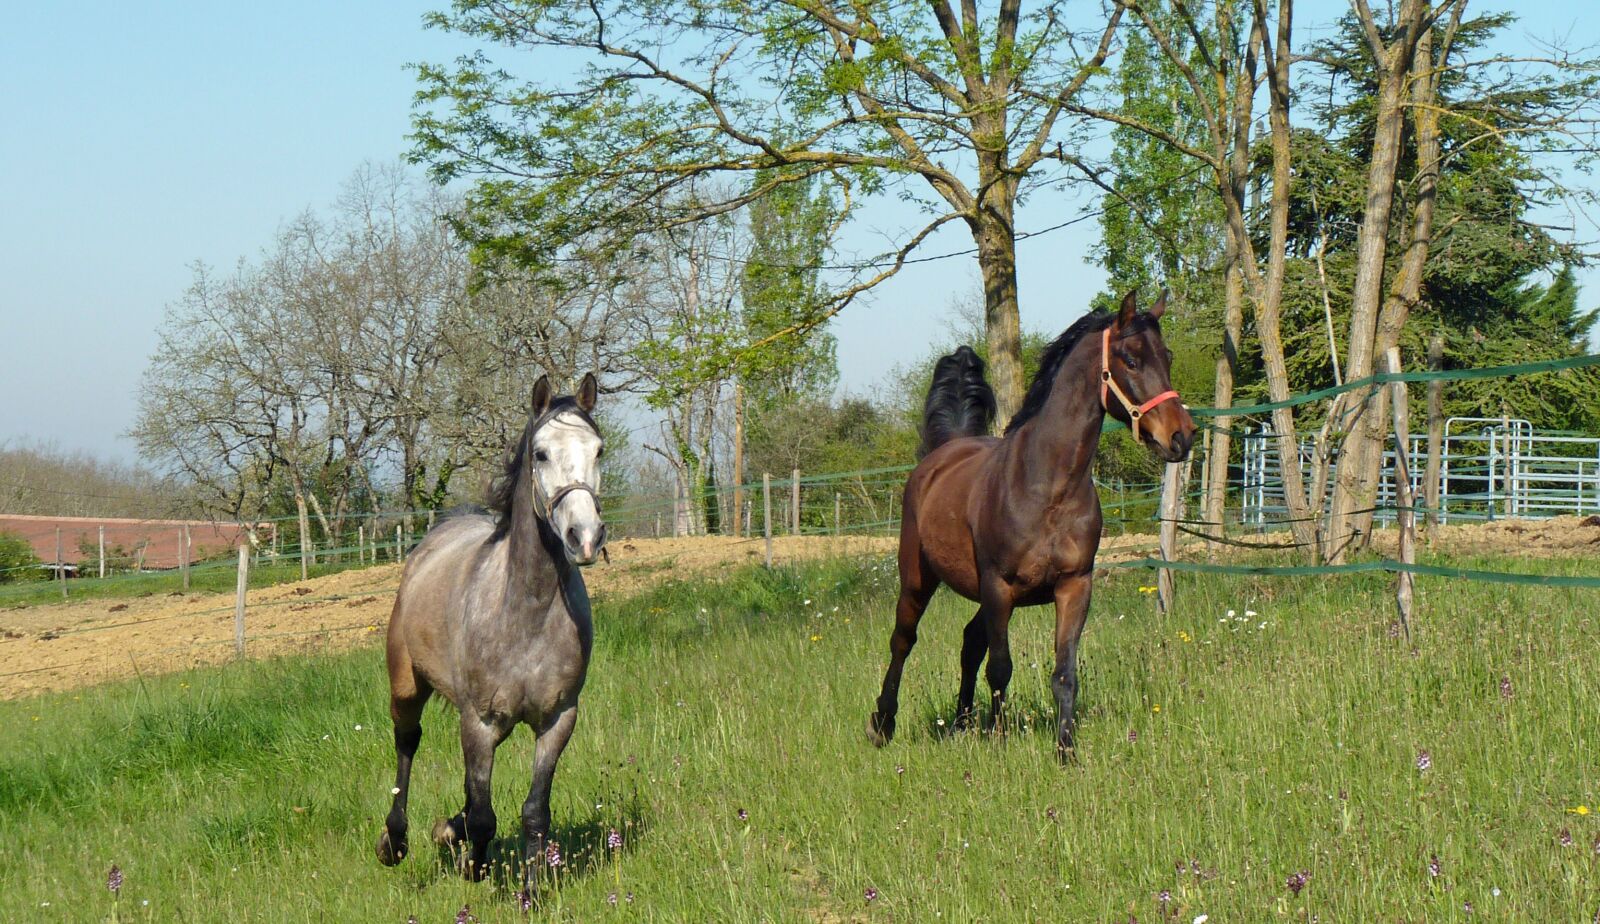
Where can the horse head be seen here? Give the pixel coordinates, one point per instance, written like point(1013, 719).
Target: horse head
point(1136, 368)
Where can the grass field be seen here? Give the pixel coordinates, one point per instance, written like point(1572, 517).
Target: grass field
point(722, 736)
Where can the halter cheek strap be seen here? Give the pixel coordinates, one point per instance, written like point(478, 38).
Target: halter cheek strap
point(1135, 411)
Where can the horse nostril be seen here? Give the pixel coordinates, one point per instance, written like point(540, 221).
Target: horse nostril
point(573, 541)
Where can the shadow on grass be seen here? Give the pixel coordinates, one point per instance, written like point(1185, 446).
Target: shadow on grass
point(583, 851)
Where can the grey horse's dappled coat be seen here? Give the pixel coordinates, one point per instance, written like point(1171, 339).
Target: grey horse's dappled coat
point(493, 615)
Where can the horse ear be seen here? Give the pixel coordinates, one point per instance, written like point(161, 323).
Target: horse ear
point(588, 391)
point(1160, 307)
point(540, 402)
point(1130, 305)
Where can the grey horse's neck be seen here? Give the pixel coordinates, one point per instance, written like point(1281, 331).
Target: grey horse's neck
point(537, 566)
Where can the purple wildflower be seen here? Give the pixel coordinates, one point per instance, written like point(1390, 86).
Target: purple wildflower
point(1433, 866)
point(552, 854)
point(743, 815)
point(524, 901)
point(870, 894)
point(1133, 735)
point(1564, 838)
point(465, 915)
point(1298, 881)
point(628, 898)
point(899, 769)
point(411, 919)
point(1164, 896)
point(613, 839)
point(967, 777)
point(1505, 687)
point(1467, 907)
point(1424, 761)
point(1394, 630)
point(1194, 867)
point(1050, 813)
point(1597, 845)
point(611, 899)
point(114, 880)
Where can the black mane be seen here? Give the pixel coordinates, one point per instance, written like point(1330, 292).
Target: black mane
point(1050, 364)
point(503, 488)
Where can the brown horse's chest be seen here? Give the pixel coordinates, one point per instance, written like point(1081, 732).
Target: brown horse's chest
point(1063, 547)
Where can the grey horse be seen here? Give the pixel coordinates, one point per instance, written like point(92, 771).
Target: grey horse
point(493, 615)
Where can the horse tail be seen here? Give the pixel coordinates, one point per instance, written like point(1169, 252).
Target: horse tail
point(960, 402)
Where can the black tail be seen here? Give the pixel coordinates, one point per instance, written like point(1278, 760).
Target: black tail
point(960, 402)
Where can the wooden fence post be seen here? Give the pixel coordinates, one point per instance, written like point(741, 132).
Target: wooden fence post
point(837, 529)
point(794, 503)
point(1171, 512)
point(61, 571)
point(238, 605)
point(766, 519)
point(102, 551)
point(430, 520)
point(186, 545)
point(399, 546)
point(1406, 517)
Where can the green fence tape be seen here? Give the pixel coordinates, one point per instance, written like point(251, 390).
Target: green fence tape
point(1387, 564)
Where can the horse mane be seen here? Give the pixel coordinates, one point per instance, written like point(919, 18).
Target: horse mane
point(959, 403)
point(1050, 364)
point(502, 492)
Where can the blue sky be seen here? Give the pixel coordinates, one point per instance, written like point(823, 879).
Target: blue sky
point(138, 141)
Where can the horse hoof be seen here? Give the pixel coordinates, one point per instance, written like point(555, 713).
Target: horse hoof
point(391, 850)
point(880, 730)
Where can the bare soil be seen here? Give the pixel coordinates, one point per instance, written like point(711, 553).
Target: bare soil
point(76, 644)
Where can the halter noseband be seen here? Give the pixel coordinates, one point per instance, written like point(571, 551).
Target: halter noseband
point(1135, 411)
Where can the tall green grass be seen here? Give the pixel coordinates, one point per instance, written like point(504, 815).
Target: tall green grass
point(722, 735)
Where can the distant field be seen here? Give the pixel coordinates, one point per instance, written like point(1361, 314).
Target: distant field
point(1271, 726)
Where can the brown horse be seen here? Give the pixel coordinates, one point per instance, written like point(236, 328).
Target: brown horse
point(492, 614)
point(1015, 521)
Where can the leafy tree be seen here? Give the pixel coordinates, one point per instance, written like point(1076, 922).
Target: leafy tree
point(957, 111)
point(17, 560)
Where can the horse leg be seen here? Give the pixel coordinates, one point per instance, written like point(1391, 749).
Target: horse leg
point(536, 809)
point(479, 738)
point(1072, 608)
point(997, 609)
point(406, 711)
point(916, 589)
point(974, 645)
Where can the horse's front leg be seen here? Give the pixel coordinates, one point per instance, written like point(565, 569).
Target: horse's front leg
point(479, 738)
point(536, 809)
point(1072, 608)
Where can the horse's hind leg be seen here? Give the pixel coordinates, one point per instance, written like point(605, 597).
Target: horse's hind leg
point(917, 585)
point(405, 707)
point(974, 645)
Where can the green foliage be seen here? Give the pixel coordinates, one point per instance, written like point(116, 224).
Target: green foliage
point(722, 737)
point(17, 560)
point(782, 289)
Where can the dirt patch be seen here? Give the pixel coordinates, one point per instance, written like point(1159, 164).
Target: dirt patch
point(65, 646)
point(1558, 537)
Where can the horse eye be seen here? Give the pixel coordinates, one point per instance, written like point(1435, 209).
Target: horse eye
point(541, 456)
point(1130, 360)
point(601, 453)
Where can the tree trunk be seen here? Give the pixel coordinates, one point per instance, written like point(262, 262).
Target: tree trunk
point(1002, 323)
point(1356, 485)
point(738, 455)
point(1216, 489)
point(307, 553)
point(1430, 476)
point(1270, 297)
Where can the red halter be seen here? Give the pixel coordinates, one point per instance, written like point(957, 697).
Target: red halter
point(1135, 411)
